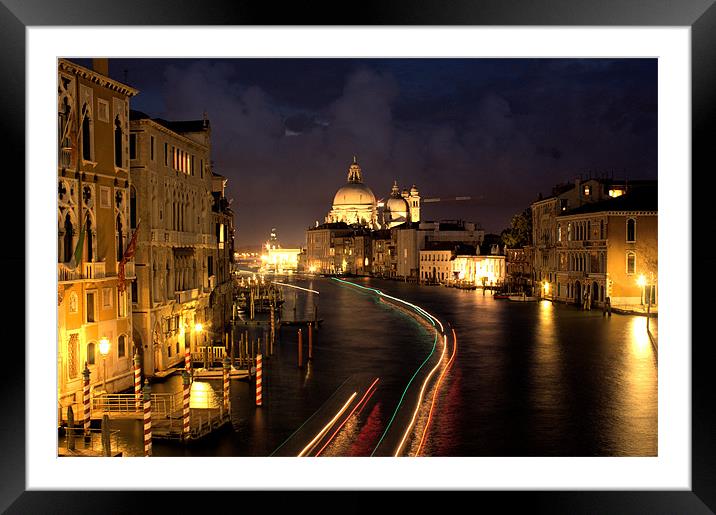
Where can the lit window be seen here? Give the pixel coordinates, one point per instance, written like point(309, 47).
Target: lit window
point(587, 190)
point(631, 263)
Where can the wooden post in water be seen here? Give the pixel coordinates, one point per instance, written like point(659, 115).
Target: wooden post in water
point(86, 399)
point(233, 353)
point(310, 341)
point(226, 384)
point(300, 349)
point(137, 381)
point(147, 418)
point(186, 412)
point(106, 444)
point(259, 386)
point(70, 429)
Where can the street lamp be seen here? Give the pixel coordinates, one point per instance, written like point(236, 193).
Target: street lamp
point(641, 281)
point(104, 350)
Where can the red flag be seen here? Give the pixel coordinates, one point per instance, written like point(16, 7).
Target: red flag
point(129, 253)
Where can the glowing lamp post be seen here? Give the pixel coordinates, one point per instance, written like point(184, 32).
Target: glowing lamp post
point(641, 281)
point(104, 350)
point(545, 287)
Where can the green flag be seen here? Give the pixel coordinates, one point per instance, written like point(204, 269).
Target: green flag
point(77, 256)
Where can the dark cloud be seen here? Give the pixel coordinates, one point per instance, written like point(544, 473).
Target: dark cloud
point(499, 130)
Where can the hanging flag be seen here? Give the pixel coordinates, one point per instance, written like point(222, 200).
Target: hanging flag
point(77, 255)
point(128, 254)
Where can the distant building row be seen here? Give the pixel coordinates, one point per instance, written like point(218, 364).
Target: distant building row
point(401, 246)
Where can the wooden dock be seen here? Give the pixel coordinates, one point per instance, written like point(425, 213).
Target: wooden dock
point(203, 421)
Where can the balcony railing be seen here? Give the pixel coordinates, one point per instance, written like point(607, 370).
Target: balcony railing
point(180, 237)
point(94, 270)
point(186, 295)
point(65, 157)
point(64, 273)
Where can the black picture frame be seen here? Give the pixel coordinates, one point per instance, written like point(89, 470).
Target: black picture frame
point(700, 15)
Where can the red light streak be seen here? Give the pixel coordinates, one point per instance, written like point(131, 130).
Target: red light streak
point(435, 395)
point(330, 439)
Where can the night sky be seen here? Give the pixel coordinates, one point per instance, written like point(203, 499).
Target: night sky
point(284, 131)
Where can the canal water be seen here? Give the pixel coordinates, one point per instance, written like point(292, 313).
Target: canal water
point(529, 379)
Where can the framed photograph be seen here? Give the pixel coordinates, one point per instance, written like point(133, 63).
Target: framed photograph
point(510, 152)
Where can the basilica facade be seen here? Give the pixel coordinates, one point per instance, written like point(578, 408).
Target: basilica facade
point(355, 204)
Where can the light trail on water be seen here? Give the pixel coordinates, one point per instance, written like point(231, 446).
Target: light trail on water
point(433, 320)
point(435, 395)
point(420, 399)
point(296, 287)
point(327, 426)
point(330, 439)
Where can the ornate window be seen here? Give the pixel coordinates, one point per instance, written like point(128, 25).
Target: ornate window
point(630, 263)
point(118, 142)
point(72, 356)
point(86, 134)
point(631, 230)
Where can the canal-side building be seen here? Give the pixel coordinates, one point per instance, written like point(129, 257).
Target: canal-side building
point(321, 243)
point(564, 198)
point(221, 282)
point(177, 253)
point(608, 249)
point(93, 231)
point(411, 238)
point(518, 263)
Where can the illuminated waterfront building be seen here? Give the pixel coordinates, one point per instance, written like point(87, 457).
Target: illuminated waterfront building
point(600, 247)
point(93, 231)
point(565, 198)
point(456, 263)
point(221, 284)
point(176, 257)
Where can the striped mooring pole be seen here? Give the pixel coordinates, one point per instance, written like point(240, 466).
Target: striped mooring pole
point(137, 381)
point(227, 364)
point(147, 418)
point(187, 354)
point(186, 423)
point(259, 396)
point(300, 349)
point(86, 399)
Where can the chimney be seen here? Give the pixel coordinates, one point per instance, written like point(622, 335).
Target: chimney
point(101, 65)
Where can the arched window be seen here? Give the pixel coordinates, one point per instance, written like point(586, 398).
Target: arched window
point(117, 142)
point(86, 134)
point(631, 230)
point(90, 255)
point(631, 263)
point(132, 207)
point(90, 353)
point(67, 242)
point(120, 240)
point(122, 346)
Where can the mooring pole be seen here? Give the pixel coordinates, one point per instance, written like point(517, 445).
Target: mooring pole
point(186, 412)
point(147, 418)
point(86, 400)
point(310, 341)
point(300, 349)
point(259, 387)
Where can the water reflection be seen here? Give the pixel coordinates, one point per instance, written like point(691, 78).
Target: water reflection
point(530, 379)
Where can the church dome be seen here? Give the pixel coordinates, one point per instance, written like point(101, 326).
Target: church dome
point(354, 194)
point(397, 206)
